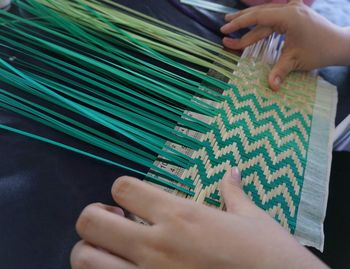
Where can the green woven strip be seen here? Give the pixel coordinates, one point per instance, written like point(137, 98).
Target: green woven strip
point(49, 141)
point(143, 114)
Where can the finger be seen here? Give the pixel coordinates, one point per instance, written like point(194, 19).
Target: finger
point(232, 16)
point(266, 17)
point(109, 231)
point(279, 72)
point(85, 256)
point(296, 1)
point(251, 37)
point(231, 190)
point(229, 17)
point(236, 201)
point(142, 199)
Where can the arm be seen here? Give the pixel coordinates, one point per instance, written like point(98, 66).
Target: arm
point(311, 40)
point(183, 234)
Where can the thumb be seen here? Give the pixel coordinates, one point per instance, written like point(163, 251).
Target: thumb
point(231, 190)
point(280, 71)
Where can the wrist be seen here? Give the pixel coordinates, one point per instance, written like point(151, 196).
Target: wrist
point(300, 259)
point(340, 49)
point(293, 256)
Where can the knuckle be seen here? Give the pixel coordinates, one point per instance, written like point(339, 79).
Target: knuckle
point(259, 16)
point(238, 24)
point(291, 61)
point(236, 191)
point(258, 13)
point(86, 218)
point(224, 186)
point(183, 214)
point(297, 9)
point(158, 243)
point(240, 43)
point(80, 259)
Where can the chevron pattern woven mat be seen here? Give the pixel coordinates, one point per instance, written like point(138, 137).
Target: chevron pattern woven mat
point(281, 142)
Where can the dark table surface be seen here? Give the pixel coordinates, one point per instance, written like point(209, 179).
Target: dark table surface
point(44, 188)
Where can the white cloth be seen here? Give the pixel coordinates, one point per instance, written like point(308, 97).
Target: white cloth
point(342, 136)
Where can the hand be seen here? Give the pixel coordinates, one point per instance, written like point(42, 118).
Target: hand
point(311, 40)
point(183, 234)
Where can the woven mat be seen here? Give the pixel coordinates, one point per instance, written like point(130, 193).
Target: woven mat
point(280, 141)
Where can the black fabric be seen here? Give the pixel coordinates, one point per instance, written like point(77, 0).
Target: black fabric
point(337, 223)
point(43, 188)
point(339, 76)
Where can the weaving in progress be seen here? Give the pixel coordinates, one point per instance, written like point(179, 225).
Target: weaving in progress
point(181, 106)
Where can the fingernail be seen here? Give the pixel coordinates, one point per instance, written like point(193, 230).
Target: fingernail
point(235, 173)
point(116, 210)
point(224, 28)
point(119, 211)
point(277, 81)
point(229, 40)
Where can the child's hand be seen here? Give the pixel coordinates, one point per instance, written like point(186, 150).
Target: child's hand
point(183, 234)
point(311, 40)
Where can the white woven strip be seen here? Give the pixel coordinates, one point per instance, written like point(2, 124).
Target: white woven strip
point(313, 204)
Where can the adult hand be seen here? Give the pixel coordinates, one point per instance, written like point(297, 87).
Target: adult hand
point(311, 40)
point(183, 234)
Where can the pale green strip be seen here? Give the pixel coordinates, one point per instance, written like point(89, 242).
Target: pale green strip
point(313, 202)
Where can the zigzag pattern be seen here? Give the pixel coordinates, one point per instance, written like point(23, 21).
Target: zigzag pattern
point(278, 196)
point(257, 132)
point(217, 154)
point(265, 138)
point(267, 195)
point(262, 111)
point(277, 212)
point(260, 144)
point(271, 179)
point(265, 102)
point(299, 87)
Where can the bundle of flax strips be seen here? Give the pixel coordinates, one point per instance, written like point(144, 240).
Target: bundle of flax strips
point(141, 90)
